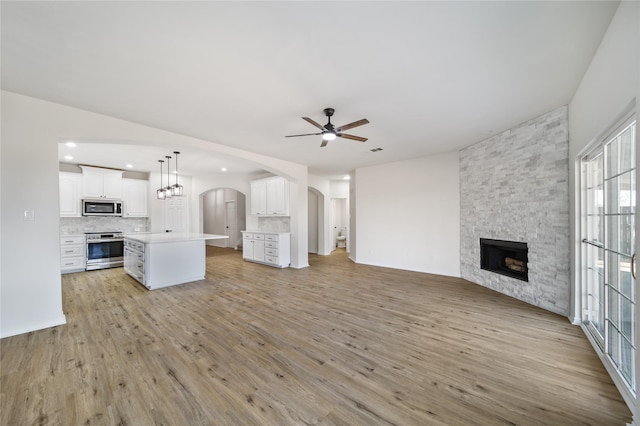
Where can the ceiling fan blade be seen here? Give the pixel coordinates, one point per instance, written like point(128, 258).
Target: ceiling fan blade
point(355, 138)
point(306, 134)
point(352, 125)
point(324, 143)
point(313, 123)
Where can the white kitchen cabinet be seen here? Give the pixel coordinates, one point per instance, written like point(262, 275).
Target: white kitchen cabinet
point(273, 249)
point(270, 197)
point(70, 188)
point(135, 196)
point(101, 183)
point(73, 255)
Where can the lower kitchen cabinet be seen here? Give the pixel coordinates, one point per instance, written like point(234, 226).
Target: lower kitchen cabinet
point(73, 256)
point(134, 260)
point(273, 249)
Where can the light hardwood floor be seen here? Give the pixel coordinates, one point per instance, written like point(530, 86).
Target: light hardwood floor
point(333, 344)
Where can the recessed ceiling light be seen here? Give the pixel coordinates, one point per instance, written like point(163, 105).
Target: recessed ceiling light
point(129, 166)
point(71, 144)
point(346, 177)
point(68, 157)
point(224, 169)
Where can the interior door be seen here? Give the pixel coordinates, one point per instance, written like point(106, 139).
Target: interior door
point(176, 214)
point(231, 224)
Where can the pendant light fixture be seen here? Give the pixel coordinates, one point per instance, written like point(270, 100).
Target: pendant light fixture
point(177, 190)
point(161, 193)
point(167, 189)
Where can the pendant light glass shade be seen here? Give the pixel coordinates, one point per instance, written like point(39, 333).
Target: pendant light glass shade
point(161, 193)
point(167, 189)
point(177, 190)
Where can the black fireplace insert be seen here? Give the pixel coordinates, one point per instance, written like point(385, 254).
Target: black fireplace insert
point(508, 258)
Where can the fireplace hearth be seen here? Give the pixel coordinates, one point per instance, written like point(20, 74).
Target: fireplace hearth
point(508, 258)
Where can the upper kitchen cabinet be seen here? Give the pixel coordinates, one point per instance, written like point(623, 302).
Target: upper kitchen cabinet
point(135, 195)
point(270, 197)
point(70, 189)
point(101, 183)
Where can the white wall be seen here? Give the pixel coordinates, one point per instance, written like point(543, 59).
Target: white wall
point(31, 130)
point(408, 215)
point(30, 284)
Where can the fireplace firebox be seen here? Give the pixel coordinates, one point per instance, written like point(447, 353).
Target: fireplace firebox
point(508, 258)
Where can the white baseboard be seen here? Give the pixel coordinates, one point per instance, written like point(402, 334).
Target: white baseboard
point(54, 323)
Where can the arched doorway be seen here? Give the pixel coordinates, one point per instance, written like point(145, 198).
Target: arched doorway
point(224, 213)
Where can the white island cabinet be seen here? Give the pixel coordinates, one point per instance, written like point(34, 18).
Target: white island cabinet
point(166, 259)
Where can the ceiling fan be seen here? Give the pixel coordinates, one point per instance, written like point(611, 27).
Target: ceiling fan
point(329, 132)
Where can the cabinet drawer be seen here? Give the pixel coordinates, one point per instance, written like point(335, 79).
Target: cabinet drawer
point(271, 259)
point(139, 266)
point(270, 237)
point(71, 251)
point(75, 239)
point(134, 245)
point(270, 244)
point(72, 263)
point(247, 236)
point(271, 251)
point(258, 236)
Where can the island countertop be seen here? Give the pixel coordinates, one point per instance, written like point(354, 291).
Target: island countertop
point(172, 237)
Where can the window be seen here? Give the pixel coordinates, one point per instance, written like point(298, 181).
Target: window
point(608, 236)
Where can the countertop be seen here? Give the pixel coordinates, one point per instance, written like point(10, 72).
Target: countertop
point(172, 237)
point(255, 231)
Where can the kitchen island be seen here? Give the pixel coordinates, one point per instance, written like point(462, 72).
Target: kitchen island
point(166, 259)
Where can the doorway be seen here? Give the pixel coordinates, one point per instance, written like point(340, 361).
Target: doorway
point(223, 213)
point(340, 223)
point(313, 222)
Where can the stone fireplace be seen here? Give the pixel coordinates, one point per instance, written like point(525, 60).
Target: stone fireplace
point(514, 187)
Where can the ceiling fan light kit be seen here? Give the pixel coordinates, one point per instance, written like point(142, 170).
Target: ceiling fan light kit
point(329, 132)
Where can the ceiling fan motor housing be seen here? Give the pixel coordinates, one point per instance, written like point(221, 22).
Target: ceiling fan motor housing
point(329, 112)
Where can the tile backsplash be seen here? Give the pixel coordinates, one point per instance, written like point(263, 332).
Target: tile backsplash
point(80, 225)
point(274, 224)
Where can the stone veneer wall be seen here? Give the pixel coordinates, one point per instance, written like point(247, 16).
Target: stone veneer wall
point(515, 186)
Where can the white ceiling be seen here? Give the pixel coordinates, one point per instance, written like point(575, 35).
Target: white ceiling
point(431, 77)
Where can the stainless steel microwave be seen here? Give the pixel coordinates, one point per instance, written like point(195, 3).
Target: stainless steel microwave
point(101, 208)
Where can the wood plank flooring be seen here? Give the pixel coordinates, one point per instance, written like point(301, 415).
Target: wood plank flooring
point(333, 344)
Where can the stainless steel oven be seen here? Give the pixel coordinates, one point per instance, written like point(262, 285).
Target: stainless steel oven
point(104, 250)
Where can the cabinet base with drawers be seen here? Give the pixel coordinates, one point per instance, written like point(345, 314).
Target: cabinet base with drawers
point(73, 257)
point(268, 248)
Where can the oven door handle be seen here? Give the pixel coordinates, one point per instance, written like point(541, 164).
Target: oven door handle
point(105, 240)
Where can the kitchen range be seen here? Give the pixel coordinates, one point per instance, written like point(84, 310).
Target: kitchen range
point(104, 250)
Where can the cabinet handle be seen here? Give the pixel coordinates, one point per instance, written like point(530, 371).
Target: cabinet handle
point(633, 266)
